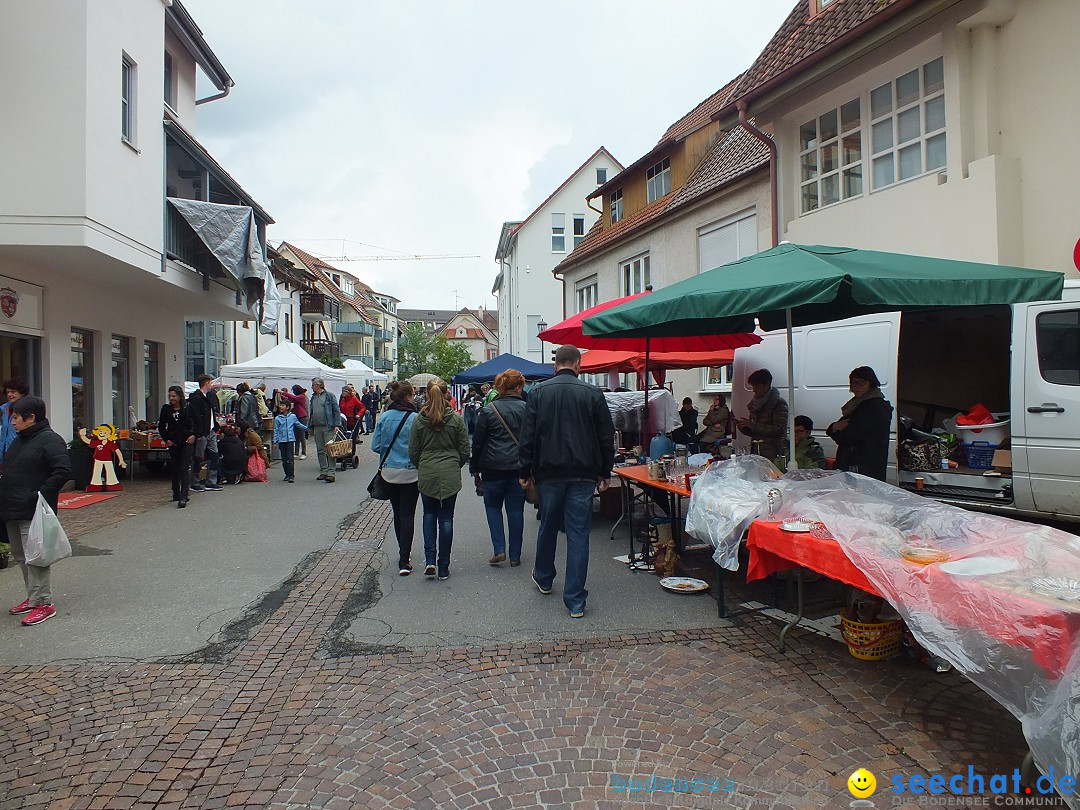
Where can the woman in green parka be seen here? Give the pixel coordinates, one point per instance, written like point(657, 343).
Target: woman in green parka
point(439, 448)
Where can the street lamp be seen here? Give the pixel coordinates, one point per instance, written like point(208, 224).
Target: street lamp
point(540, 327)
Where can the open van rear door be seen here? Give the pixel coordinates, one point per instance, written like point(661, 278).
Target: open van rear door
point(1051, 405)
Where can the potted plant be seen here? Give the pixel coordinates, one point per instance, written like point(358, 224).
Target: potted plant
point(81, 459)
point(5, 555)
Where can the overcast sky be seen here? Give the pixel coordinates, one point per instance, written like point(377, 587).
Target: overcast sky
point(420, 127)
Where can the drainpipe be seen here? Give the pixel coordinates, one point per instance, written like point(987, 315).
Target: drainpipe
point(774, 192)
point(215, 97)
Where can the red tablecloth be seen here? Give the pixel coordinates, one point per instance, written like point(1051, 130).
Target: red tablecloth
point(1050, 629)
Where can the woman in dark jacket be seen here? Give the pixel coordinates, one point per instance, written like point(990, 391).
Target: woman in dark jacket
point(687, 432)
point(178, 431)
point(494, 465)
point(37, 461)
point(862, 432)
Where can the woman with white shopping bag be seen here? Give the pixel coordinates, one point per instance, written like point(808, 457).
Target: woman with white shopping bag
point(35, 464)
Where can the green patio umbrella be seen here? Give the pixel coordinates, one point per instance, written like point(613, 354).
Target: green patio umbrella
point(796, 285)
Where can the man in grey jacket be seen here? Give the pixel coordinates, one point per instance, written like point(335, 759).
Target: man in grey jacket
point(324, 416)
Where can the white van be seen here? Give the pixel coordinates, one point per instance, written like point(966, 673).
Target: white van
point(1023, 360)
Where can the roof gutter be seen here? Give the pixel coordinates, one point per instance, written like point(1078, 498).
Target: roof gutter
point(774, 189)
point(216, 96)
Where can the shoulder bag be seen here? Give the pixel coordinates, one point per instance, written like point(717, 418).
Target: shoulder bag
point(531, 494)
point(377, 488)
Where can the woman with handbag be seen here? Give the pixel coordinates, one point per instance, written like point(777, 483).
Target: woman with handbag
point(862, 432)
point(494, 465)
point(396, 480)
point(439, 447)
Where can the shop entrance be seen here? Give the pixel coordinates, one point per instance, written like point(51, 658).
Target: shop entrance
point(20, 357)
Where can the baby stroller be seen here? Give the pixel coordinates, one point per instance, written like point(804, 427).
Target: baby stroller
point(343, 448)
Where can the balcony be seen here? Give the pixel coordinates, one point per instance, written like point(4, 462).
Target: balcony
point(367, 360)
point(359, 328)
point(384, 336)
point(183, 245)
point(318, 307)
point(382, 364)
point(317, 348)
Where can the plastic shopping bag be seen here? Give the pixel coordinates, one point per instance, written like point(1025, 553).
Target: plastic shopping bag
point(256, 468)
point(46, 542)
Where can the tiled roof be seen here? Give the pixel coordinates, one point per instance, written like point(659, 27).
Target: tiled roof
point(801, 37)
point(323, 270)
point(733, 156)
point(701, 113)
point(440, 316)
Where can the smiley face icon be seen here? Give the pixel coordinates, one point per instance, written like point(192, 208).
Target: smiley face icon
point(862, 784)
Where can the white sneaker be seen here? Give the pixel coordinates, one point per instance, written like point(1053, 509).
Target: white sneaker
point(301, 457)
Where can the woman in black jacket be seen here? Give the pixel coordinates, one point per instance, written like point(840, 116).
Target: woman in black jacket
point(37, 461)
point(178, 431)
point(862, 432)
point(494, 465)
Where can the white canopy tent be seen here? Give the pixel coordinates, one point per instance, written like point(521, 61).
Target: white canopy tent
point(360, 374)
point(284, 366)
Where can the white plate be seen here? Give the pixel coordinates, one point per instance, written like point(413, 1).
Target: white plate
point(797, 526)
point(979, 566)
point(684, 584)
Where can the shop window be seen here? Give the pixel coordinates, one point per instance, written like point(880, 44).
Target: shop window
point(1057, 336)
point(82, 380)
point(121, 378)
point(152, 396)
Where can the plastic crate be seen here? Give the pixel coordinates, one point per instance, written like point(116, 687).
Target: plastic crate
point(979, 455)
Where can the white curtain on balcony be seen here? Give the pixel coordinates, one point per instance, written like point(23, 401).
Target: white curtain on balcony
point(230, 233)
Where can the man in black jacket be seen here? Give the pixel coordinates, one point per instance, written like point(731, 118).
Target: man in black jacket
point(371, 403)
point(37, 461)
point(568, 449)
point(206, 449)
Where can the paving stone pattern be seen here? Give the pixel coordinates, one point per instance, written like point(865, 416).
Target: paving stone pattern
point(289, 719)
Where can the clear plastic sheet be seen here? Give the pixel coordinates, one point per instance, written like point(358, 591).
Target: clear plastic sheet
point(626, 410)
point(1010, 623)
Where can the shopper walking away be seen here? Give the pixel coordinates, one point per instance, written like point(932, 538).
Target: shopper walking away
point(178, 431)
point(766, 424)
point(862, 432)
point(206, 449)
point(247, 406)
point(439, 448)
point(567, 449)
point(37, 462)
point(323, 419)
point(285, 426)
point(298, 399)
point(391, 442)
point(370, 402)
point(494, 465)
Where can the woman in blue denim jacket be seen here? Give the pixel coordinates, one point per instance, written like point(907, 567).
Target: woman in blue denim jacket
point(398, 471)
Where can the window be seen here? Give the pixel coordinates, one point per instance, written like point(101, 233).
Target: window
point(907, 125)
point(717, 378)
point(82, 380)
point(726, 241)
point(170, 91)
point(558, 233)
point(120, 380)
point(152, 399)
point(635, 275)
point(586, 293)
point(830, 157)
point(205, 348)
point(288, 326)
point(579, 229)
point(658, 180)
point(616, 206)
point(601, 176)
point(127, 99)
point(1057, 336)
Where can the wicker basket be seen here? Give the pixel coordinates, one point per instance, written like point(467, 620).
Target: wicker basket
point(343, 448)
point(871, 641)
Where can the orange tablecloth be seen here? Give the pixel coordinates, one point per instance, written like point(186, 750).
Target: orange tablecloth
point(1050, 629)
point(639, 474)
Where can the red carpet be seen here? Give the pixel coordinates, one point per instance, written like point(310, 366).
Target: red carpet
point(76, 500)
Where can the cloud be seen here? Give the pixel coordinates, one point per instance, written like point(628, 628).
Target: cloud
point(422, 126)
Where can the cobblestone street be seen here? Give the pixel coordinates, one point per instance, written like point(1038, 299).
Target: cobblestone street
point(289, 711)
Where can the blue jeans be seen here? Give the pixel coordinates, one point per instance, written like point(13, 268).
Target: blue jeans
point(569, 501)
point(369, 421)
point(508, 492)
point(438, 521)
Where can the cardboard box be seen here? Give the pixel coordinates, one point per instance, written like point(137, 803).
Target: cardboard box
point(1003, 460)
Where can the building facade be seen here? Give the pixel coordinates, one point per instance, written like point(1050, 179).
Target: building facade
point(527, 252)
point(98, 274)
point(477, 331)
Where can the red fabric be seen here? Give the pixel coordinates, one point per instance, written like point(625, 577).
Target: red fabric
point(978, 415)
point(570, 331)
point(1021, 621)
point(597, 360)
point(103, 451)
point(256, 469)
point(352, 408)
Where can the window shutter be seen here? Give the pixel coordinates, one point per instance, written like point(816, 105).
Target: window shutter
point(747, 236)
point(718, 246)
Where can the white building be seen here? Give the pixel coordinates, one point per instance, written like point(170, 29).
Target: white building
point(476, 331)
point(528, 251)
point(99, 106)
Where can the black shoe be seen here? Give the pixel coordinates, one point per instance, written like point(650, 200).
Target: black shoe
point(181, 503)
point(444, 573)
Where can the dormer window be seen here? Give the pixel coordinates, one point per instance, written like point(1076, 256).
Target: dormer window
point(658, 180)
point(817, 6)
point(616, 206)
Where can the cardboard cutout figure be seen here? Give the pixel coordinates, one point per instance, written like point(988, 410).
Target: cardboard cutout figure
point(105, 447)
